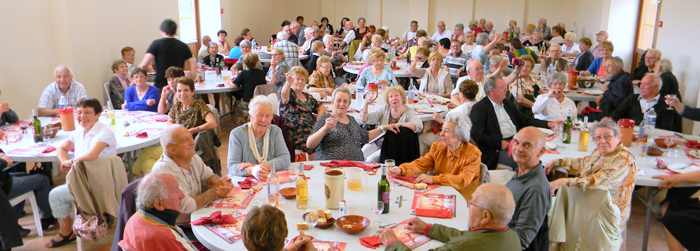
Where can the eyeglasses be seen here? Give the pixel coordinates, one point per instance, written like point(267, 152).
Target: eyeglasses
point(606, 137)
point(326, 67)
point(469, 202)
point(83, 113)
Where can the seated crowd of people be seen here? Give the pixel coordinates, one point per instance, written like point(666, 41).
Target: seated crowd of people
point(495, 107)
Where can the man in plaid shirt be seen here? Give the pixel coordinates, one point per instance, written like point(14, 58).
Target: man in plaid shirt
point(64, 86)
point(291, 50)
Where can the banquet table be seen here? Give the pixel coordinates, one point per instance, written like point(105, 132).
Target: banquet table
point(424, 109)
point(140, 121)
point(264, 55)
point(645, 169)
point(354, 68)
point(214, 84)
point(357, 203)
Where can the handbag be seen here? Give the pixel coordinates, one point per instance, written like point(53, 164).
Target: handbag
point(87, 226)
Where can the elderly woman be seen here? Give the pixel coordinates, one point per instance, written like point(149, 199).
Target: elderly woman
point(335, 54)
point(420, 42)
point(119, 83)
point(246, 46)
point(265, 228)
point(513, 30)
point(321, 81)
point(298, 109)
point(421, 58)
point(524, 86)
point(434, 80)
point(141, 96)
point(390, 117)
point(498, 66)
point(458, 33)
point(570, 47)
point(336, 135)
point(529, 29)
point(517, 50)
point(376, 43)
point(605, 49)
point(554, 105)
point(650, 60)
point(257, 146)
point(468, 44)
point(536, 40)
point(325, 27)
point(361, 29)
point(278, 69)
point(247, 80)
point(664, 69)
point(235, 52)
point(610, 167)
point(191, 113)
point(584, 59)
point(456, 162)
point(93, 140)
point(377, 72)
point(557, 31)
point(214, 59)
point(316, 50)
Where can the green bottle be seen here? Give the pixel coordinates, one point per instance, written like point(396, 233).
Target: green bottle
point(37, 128)
point(566, 134)
point(383, 191)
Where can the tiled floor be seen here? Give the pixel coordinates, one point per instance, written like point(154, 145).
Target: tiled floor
point(635, 227)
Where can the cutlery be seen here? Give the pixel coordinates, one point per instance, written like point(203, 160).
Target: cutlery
point(679, 135)
point(248, 197)
point(388, 225)
point(681, 168)
point(400, 200)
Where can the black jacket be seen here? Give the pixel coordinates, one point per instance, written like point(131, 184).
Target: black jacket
point(665, 119)
point(487, 134)
point(585, 59)
point(620, 88)
point(669, 84)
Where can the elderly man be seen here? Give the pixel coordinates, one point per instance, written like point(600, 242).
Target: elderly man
point(153, 226)
point(311, 34)
point(619, 87)
point(634, 107)
point(530, 190)
point(474, 27)
point(489, 28)
point(410, 34)
point(203, 50)
point(483, 47)
point(490, 210)
point(290, 49)
point(455, 61)
point(168, 51)
point(599, 38)
point(664, 68)
point(349, 36)
point(651, 58)
point(544, 30)
point(562, 65)
point(7, 115)
point(474, 72)
point(294, 28)
point(180, 160)
point(496, 121)
point(441, 33)
point(64, 86)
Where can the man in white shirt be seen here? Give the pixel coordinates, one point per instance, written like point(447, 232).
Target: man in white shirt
point(475, 72)
point(441, 33)
point(64, 86)
point(489, 29)
point(203, 50)
point(349, 36)
point(410, 34)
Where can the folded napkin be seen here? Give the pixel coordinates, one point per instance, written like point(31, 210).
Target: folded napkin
point(308, 167)
point(216, 218)
point(410, 179)
point(444, 213)
point(247, 183)
point(589, 109)
point(436, 128)
point(349, 163)
point(49, 149)
point(142, 135)
point(371, 242)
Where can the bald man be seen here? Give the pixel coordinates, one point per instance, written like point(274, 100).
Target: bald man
point(530, 190)
point(490, 210)
point(635, 106)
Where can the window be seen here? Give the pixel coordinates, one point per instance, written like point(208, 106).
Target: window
point(188, 23)
point(210, 18)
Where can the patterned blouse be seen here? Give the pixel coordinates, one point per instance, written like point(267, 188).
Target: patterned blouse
point(319, 81)
point(192, 117)
point(615, 172)
point(299, 118)
point(279, 73)
point(345, 142)
point(116, 92)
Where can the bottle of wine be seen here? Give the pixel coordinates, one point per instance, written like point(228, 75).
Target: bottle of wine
point(273, 188)
point(383, 191)
point(566, 134)
point(583, 136)
point(37, 128)
point(302, 189)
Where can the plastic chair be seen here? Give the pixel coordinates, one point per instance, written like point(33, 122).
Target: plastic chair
point(230, 61)
point(106, 96)
point(35, 208)
point(276, 104)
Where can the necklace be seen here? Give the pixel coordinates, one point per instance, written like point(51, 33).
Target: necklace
point(189, 185)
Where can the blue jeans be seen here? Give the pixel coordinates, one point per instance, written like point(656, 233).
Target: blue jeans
point(39, 184)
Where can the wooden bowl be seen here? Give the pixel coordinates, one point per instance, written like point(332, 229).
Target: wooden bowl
point(289, 192)
point(54, 129)
point(329, 222)
point(661, 143)
point(352, 224)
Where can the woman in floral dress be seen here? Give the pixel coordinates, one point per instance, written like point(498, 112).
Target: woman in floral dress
point(298, 109)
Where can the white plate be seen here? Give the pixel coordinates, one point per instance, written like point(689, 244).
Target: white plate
point(593, 92)
point(550, 145)
point(430, 110)
point(683, 168)
point(694, 153)
point(546, 131)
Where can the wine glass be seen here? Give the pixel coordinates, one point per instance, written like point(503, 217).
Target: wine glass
point(390, 164)
point(372, 95)
point(671, 96)
point(672, 152)
point(311, 219)
point(377, 208)
point(294, 172)
point(23, 125)
point(46, 133)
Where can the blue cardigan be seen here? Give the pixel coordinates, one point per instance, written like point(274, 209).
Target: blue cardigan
point(134, 104)
point(593, 69)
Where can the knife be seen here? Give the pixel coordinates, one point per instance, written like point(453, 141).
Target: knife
point(400, 200)
point(679, 135)
point(248, 197)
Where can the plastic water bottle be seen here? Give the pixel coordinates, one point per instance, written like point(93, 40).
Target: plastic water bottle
point(63, 102)
point(360, 95)
point(650, 117)
point(273, 188)
point(412, 92)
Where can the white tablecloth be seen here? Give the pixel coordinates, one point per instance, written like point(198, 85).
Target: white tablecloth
point(212, 82)
point(358, 203)
point(402, 72)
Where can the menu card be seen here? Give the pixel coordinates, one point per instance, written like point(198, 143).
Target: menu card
point(433, 205)
point(407, 237)
point(409, 181)
point(238, 199)
point(325, 245)
point(229, 232)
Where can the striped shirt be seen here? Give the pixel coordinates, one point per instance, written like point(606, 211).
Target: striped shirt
point(291, 50)
point(52, 95)
point(455, 62)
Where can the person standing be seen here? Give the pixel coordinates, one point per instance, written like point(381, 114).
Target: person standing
point(168, 51)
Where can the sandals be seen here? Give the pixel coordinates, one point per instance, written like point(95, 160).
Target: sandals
point(64, 241)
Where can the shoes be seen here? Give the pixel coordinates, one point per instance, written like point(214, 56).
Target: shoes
point(46, 223)
point(24, 232)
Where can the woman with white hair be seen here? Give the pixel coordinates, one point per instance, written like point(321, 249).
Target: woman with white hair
point(458, 33)
point(246, 47)
point(434, 80)
point(456, 162)
point(570, 47)
point(257, 146)
point(664, 69)
point(554, 105)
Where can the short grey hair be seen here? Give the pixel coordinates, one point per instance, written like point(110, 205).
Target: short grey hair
point(213, 43)
point(259, 100)
point(571, 36)
point(665, 65)
point(282, 36)
point(327, 38)
point(656, 80)
point(150, 188)
point(166, 137)
point(606, 124)
point(473, 22)
point(555, 46)
point(341, 89)
point(494, 61)
point(560, 77)
point(460, 26)
point(490, 83)
point(618, 62)
point(62, 67)
point(294, 25)
point(463, 125)
point(309, 30)
point(482, 38)
point(246, 43)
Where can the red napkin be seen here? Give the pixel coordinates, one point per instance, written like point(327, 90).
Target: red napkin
point(589, 109)
point(371, 242)
point(49, 149)
point(308, 167)
point(216, 218)
point(349, 163)
point(410, 179)
point(162, 119)
point(436, 128)
point(444, 213)
point(247, 183)
point(142, 135)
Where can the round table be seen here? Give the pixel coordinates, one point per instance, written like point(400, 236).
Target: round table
point(264, 56)
point(424, 109)
point(139, 121)
point(358, 203)
point(644, 167)
point(214, 84)
point(402, 72)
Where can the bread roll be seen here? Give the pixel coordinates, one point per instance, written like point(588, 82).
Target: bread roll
point(328, 214)
point(302, 226)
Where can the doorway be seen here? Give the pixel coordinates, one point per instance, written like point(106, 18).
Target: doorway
point(647, 29)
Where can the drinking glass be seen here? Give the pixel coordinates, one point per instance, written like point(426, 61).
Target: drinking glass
point(672, 152)
point(377, 208)
point(372, 95)
point(333, 130)
point(390, 164)
point(294, 172)
point(311, 218)
point(24, 125)
point(671, 96)
point(46, 132)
